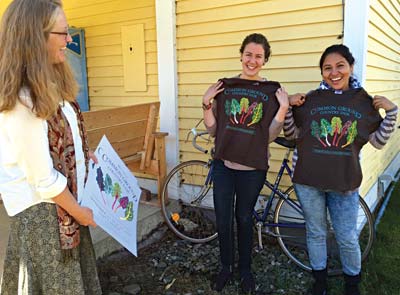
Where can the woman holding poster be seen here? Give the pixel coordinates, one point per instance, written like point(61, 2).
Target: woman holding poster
point(43, 156)
point(245, 114)
point(331, 125)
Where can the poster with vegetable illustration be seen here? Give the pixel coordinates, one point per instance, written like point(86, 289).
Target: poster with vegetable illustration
point(112, 192)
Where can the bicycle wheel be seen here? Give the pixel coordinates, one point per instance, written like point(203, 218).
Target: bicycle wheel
point(187, 202)
point(294, 246)
point(290, 229)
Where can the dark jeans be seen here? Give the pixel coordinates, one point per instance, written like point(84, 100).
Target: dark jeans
point(246, 185)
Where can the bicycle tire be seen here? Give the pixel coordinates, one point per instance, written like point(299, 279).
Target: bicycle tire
point(297, 252)
point(184, 184)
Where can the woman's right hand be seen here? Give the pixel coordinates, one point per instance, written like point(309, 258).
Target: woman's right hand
point(212, 91)
point(84, 216)
point(297, 99)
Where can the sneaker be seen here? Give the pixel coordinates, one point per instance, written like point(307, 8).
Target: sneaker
point(221, 280)
point(247, 284)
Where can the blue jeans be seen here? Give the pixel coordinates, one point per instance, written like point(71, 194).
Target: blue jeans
point(343, 211)
point(246, 185)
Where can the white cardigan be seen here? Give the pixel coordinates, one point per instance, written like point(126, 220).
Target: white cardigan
point(27, 176)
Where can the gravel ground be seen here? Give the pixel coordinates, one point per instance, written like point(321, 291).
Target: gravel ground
point(175, 267)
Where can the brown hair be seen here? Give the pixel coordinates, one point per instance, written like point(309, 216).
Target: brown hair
point(24, 59)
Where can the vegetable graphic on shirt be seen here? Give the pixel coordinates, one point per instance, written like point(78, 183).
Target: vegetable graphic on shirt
point(257, 115)
point(128, 212)
point(326, 129)
point(123, 202)
point(345, 128)
point(336, 123)
point(249, 111)
point(244, 105)
point(235, 109)
point(116, 193)
point(316, 132)
point(351, 134)
point(100, 183)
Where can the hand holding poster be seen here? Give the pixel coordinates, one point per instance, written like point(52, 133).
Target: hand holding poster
point(112, 192)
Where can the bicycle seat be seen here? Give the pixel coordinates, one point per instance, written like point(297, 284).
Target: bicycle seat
point(291, 144)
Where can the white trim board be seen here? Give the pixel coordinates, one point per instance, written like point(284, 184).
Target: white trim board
point(167, 77)
point(356, 16)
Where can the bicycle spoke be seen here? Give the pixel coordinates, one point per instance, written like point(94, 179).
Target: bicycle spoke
point(191, 202)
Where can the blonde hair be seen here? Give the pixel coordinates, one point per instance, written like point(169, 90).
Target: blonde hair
point(24, 59)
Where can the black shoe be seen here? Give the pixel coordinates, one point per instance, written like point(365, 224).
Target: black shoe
point(221, 280)
point(351, 284)
point(320, 284)
point(247, 284)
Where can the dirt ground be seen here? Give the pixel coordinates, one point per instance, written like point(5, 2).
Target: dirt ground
point(172, 266)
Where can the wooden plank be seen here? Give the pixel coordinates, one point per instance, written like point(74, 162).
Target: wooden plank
point(333, 28)
point(129, 147)
point(115, 38)
point(119, 91)
point(381, 14)
point(375, 45)
point(266, 8)
point(116, 17)
point(117, 71)
point(118, 133)
point(149, 137)
point(108, 7)
point(386, 37)
point(270, 21)
point(379, 61)
point(116, 60)
point(152, 80)
point(99, 102)
point(374, 73)
point(115, 28)
point(151, 46)
point(193, 5)
point(105, 118)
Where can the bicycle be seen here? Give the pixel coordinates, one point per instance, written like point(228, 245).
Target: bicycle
point(191, 215)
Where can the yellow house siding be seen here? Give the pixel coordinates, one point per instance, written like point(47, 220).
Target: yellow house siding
point(102, 21)
point(209, 35)
point(383, 78)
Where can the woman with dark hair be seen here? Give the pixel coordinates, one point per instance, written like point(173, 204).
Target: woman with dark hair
point(245, 114)
point(43, 157)
point(331, 125)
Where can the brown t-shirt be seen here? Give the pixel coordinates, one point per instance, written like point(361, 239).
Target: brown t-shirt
point(333, 129)
point(245, 110)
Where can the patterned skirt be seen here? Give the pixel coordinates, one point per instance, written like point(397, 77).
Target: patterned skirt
point(34, 262)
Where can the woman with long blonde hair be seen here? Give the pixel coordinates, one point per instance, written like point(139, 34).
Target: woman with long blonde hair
point(43, 156)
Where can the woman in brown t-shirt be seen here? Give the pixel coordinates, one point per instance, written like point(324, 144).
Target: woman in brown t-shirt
point(331, 124)
point(247, 113)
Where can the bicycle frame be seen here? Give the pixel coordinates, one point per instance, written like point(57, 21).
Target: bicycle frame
point(276, 191)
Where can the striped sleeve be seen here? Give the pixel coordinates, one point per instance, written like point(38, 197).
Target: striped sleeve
point(290, 129)
point(379, 138)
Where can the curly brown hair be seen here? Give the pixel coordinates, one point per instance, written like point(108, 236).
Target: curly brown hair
point(24, 60)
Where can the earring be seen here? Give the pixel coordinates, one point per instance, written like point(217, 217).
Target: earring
point(240, 60)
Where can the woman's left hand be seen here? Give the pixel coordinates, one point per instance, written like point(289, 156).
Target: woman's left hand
point(381, 102)
point(283, 97)
point(93, 157)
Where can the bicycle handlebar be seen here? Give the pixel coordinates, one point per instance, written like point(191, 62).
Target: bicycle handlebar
point(197, 134)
